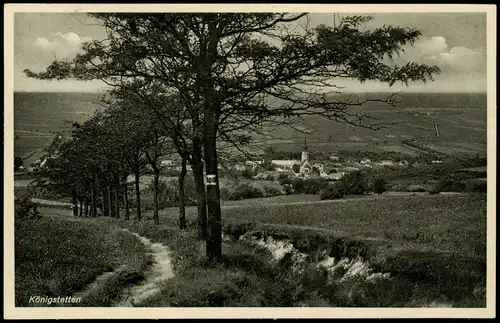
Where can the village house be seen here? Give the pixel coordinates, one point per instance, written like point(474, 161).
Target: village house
point(403, 163)
point(284, 165)
point(253, 163)
point(334, 157)
point(306, 169)
point(385, 163)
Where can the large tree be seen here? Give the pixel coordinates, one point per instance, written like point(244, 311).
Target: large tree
point(237, 70)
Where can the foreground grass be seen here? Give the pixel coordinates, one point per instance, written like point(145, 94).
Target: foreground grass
point(440, 223)
point(428, 223)
point(60, 257)
point(434, 246)
point(244, 278)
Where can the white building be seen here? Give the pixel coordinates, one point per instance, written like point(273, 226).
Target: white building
point(386, 163)
point(334, 158)
point(285, 163)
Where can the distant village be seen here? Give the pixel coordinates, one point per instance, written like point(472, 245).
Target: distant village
point(333, 169)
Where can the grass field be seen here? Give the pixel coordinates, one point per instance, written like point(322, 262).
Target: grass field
point(433, 246)
point(61, 256)
point(440, 223)
point(438, 242)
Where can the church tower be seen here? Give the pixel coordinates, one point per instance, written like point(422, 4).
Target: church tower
point(305, 167)
point(305, 154)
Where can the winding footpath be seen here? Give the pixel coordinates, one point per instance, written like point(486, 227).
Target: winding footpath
point(161, 271)
point(226, 205)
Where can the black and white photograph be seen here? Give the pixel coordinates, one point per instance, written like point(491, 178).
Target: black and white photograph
point(249, 157)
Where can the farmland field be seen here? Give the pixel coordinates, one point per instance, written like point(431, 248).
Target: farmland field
point(38, 116)
point(461, 119)
point(449, 224)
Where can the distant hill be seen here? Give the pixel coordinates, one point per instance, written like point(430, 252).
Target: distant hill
point(461, 119)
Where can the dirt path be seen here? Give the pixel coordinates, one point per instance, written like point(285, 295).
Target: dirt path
point(390, 195)
point(135, 295)
point(161, 271)
point(253, 202)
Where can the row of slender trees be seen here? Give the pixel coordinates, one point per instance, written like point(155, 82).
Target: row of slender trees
point(93, 164)
point(208, 78)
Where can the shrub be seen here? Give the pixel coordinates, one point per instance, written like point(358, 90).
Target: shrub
point(434, 190)
point(333, 191)
point(25, 209)
point(283, 177)
point(271, 191)
point(354, 183)
point(480, 187)
point(286, 181)
point(248, 173)
point(267, 165)
point(449, 184)
point(168, 195)
point(269, 177)
point(303, 186)
point(225, 193)
point(297, 185)
point(245, 191)
point(18, 162)
point(379, 185)
point(314, 186)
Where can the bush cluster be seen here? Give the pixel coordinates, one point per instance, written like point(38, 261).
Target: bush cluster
point(303, 186)
point(352, 183)
point(455, 184)
point(244, 191)
point(25, 209)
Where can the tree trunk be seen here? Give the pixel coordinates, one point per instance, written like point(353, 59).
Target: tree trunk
point(156, 189)
point(93, 207)
point(86, 206)
point(105, 209)
point(125, 200)
point(117, 198)
point(101, 205)
point(211, 111)
point(81, 206)
point(182, 195)
point(214, 233)
point(138, 196)
point(75, 203)
point(201, 201)
point(112, 212)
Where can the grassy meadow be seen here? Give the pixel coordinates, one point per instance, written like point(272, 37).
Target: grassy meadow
point(434, 247)
point(59, 256)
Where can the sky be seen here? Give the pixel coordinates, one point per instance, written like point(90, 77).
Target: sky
point(456, 42)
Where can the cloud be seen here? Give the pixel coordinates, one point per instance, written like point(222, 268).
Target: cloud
point(457, 60)
point(430, 46)
point(63, 45)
